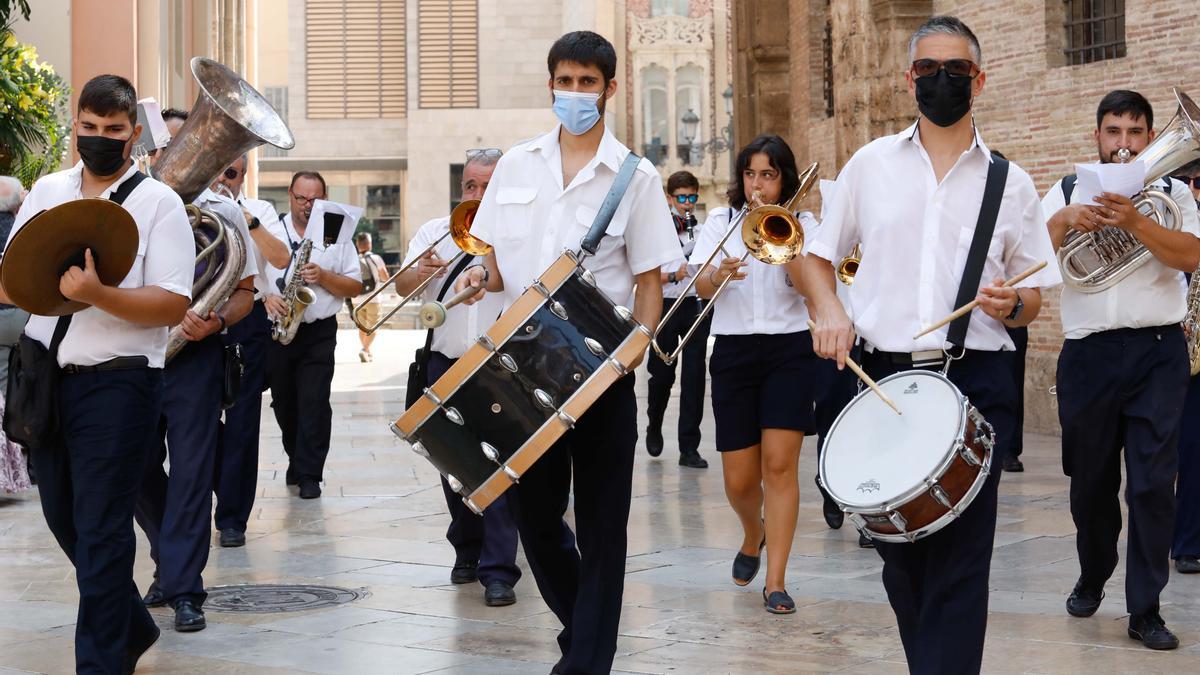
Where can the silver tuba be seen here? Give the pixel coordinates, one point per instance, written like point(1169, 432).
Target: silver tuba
point(228, 119)
point(1095, 261)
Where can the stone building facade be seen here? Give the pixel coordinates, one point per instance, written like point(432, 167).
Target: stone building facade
point(828, 76)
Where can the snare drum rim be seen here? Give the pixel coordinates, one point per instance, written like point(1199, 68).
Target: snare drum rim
point(939, 471)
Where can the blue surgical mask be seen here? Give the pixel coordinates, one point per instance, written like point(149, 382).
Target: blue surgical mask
point(576, 110)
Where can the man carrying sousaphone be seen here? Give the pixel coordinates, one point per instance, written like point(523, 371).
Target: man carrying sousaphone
point(919, 228)
point(543, 198)
point(109, 358)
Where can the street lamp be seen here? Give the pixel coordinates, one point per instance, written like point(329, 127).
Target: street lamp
point(716, 146)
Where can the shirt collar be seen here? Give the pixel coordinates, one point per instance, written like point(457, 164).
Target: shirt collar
point(912, 134)
point(609, 153)
point(76, 173)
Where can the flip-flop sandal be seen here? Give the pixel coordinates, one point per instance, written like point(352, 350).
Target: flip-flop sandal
point(779, 602)
point(745, 567)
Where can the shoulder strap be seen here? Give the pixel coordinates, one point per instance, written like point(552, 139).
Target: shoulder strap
point(125, 189)
point(968, 288)
point(60, 332)
point(591, 242)
point(1168, 188)
point(1068, 187)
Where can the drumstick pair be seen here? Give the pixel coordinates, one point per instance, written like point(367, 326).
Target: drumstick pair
point(975, 303)
point(857, 370)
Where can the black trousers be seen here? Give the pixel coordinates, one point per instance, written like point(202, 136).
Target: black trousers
point(1187, 486)
point(300, 374)
point(175, 510)
point(237, 450)
point(1020, 338)
point(489, 540)
point(938, 586)
point(584, 586)
point(88, 481)
point(691, 364)
point(1123, 389)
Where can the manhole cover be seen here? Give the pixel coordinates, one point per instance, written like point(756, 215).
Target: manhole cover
point(268, 598)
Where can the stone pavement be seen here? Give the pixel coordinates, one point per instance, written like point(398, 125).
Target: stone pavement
point(379, 528)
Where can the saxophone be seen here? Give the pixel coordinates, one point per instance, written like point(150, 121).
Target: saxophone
point(296, 296)
point(1191, 322)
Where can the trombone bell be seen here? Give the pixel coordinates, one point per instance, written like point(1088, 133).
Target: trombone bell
point(849, 265)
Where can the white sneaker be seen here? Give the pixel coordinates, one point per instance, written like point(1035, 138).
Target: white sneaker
point(363, 356)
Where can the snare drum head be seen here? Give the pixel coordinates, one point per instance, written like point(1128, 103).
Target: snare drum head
point(872, 455)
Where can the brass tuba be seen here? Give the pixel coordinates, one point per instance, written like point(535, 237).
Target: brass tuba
point(228, 119)
point(1095, 261)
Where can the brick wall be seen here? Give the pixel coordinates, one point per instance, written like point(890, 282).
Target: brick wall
point(1035, 109)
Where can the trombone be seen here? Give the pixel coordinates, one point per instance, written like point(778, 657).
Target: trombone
point(460, 231)
point(771, 233)
point(849, 265)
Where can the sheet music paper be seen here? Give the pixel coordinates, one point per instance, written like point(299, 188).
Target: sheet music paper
point(350, 217)
point(154, 130)
point(1122, 179)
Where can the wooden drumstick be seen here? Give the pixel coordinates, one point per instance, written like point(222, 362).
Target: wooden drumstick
point(857, 370)
point(975, 303)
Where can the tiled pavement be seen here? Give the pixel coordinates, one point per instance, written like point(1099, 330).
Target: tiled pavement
point(380, 525)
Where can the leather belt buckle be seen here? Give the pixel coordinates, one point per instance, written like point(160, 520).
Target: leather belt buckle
point(928, 357)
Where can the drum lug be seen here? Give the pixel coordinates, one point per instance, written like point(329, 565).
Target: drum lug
point(593, 346)
point(940, 496)
point(541, 288)
point(512, 474)
point(544, 399)
point(622, 371)
point(558, 310)
point(859, 523)
point(420, 449)
point(969, 455)
point(490, 452)
point(898, 522)
point(399, 433)
point(567, 420)
point(509, 363)
point(587, 277)
point(985, 434)
point(623, 313)
point(454, 483)
point(453, 415)
point(471, 505)
point(486, 343)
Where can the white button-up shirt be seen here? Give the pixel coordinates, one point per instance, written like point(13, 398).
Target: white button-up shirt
point(464, 323)
point(266, 215)
point(687, 241)
point(337, 258)
point(529, 218)
point(1149, 296)
point(917, 233)
point(166, 256)
point(231, 212)
point(765, 302)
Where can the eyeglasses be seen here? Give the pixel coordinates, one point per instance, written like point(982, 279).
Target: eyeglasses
point(231, 173)
point(304, 201)
point(1193, 182)
point(954, 67)
point(490, 153)
point(686, 199)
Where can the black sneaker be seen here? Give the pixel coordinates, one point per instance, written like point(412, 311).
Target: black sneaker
point(692, 459)
point(464, 573)
point(1084, 602)
point(231, 538)
point(309, 488)
point(1151, 631)
point(1187, 564)
point(1013, 464)
point(654, 442)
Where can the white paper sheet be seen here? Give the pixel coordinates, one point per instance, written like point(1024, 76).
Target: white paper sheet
point(316, 221)
point(1122, 179)
point(154, 130)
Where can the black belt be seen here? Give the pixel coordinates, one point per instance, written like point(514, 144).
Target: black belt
point(119, 363)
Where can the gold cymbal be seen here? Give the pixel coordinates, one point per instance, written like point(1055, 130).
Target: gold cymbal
point(54, 240)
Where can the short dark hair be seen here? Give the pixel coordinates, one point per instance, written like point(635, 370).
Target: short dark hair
point(1125, 102)
point(782, 160)
point(362, 237)
point(104, 95)
point(174, 114)
point(312, 175)
point(681, 180)
point(586, 48)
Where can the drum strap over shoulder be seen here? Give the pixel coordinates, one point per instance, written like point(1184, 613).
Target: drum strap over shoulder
point(591, 242)
point(968, 288)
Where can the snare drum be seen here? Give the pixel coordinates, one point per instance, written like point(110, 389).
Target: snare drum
point(903, 477)
point(515, 392)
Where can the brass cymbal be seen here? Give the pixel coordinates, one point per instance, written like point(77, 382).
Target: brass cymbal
point(54, 240)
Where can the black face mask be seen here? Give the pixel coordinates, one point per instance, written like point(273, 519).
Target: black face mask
point(943, 99)
point(102, 156)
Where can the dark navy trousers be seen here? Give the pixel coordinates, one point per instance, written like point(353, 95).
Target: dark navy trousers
point(88, 481)
point(489, 540)
point(1187, 487)
point(1020, 338)
point(300, 374)
point(1123, 389)
point(691, 376)
point(938, 585)
point(237, 448)
point(175, 510)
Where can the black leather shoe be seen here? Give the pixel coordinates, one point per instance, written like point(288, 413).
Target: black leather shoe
point(829, 508)
point(1187, 564)
point(138, 646)
point(231, 538)
point(290, 478)
point(464, 573)
point(154, 596)
point(864, 541)
point(693, 460)
point(1013, 464)
point(499, 594)
point(188, 617)
point(654, 442)
point(309, 488)
point(1084, 602)
point(1151, 631)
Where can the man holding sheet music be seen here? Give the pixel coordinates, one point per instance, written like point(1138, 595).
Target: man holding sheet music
point(1123, 374)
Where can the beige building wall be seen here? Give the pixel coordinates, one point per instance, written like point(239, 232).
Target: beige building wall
point(45, 31)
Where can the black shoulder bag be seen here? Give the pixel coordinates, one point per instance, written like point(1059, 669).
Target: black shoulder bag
point(31, 405)
point(968, 288)
point(418, 370)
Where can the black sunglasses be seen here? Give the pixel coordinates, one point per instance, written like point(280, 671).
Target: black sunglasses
point(1193, 182)
point(954, 67)
point(686, 199)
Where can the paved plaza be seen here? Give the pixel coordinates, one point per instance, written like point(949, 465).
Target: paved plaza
point(379, 530)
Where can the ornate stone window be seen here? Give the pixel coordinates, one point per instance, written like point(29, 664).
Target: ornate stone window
point(669, 7)
point(689, 83)
point(656, 123)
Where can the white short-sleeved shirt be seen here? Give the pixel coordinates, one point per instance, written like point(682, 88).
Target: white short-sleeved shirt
point(529, 218)
point(166, 257)
point(265, 212)
point(917, 233)
point(337, 258)
point(687, 241)
point(765, 302)
point(231, 212)
point(464, 323)
point(1149, 296)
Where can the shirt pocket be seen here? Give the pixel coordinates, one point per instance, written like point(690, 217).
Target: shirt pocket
point(585, 216)
point(514, 212)
point(136, 277)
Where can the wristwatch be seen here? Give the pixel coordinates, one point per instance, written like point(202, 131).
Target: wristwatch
point(1012, 316)
point(671, 278)
point(254, 223)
